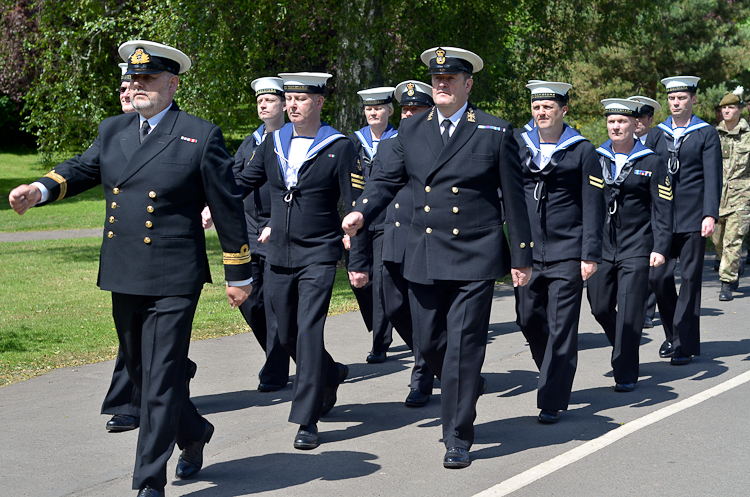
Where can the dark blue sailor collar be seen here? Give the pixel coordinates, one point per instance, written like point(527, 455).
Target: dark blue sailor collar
point(282, 141)
point(365, 137)
point(696, 123)
point(639, 150)
point(569, 137)
point(260, 134)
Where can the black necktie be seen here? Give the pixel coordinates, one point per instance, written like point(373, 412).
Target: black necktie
point(446, 130)
point(144, 130)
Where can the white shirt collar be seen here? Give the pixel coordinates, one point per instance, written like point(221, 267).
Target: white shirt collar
point(153, 121)
point(455, 118)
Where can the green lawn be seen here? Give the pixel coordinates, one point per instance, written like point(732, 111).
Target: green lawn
point(83, 211)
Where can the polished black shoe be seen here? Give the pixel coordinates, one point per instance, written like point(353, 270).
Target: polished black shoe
point(416, 398)
point(648, 323)
point(725, 294)
point(549, 416)
point(624, 387)
point(269, 387)
point(666, 349)
point(329, 395)
point(680, 360)
point(122, 422)
point(376, 357)
point(482, 386)
point(191, 457)
point(149, 491)
point(456, 458)
point(307, 437)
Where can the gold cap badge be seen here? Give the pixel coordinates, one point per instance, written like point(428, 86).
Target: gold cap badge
point(440, 56)
point(140, 57)
point(410, 89)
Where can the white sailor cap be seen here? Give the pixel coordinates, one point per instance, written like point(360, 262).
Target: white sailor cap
point(681, 83)
point(124, 69)
point(648, 105)
point(269, 85)
point(305, 82)
point(149, 57)
point(620, 107)
point(377, 96)
point(549, 90)
point(451, 60)
point(414, 93)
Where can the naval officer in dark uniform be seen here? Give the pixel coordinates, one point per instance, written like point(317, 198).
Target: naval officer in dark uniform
point(378, 108)
point(269, 96)
point(635, 185)
point(308, 166)
point(456, 158)
point(414, 97)
point(159, 168)
point(563, 190)
point(692, 150)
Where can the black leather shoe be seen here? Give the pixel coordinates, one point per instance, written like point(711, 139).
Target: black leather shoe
point(269, 387)
point(149, 491)
point(416, 398)
point(307, 437)
point(725, 294)
point(329, 395)
point(624, 387)
point(122, 422)
point(456, 458)
point(666, 349)
point(549, 416)
point(376, 357)
point(191, 457)
point(680, 360)
point(648, 323)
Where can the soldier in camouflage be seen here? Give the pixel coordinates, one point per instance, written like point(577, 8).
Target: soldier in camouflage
point(734, 210)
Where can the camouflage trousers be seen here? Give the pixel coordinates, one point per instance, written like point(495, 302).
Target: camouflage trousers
point(730, 231)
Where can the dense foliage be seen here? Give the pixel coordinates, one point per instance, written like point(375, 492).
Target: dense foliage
point(58, 58)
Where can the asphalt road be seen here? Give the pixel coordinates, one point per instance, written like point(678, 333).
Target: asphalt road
point(683, 431)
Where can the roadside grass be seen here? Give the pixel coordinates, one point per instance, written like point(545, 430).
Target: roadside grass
point(80, 212)
point(53, 315)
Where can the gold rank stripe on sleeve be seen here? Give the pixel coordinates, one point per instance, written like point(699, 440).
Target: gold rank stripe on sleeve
point(358, 181)
point(597, 182)
point(61, 181)
point(237, 259)
point(665, 192)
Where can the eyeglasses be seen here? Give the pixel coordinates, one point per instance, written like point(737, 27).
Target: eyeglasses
point(123, 89)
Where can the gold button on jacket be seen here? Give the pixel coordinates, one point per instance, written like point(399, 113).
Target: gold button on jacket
point(455, 210)
point(427, 189)
point(428, 230)
point(455, 231)
point(149, 224)
point(113, 205)
point(111, 219)
point(427, 208)
point(110, 234)
point(147, 240)
point(152, 194)
point(115, 190)
point(150, 208)
point(454, 189)
point(398, 224)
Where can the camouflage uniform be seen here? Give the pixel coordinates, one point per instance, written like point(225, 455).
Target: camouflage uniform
point(734, 210)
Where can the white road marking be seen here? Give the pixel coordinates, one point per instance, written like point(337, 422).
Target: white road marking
point(541, 470)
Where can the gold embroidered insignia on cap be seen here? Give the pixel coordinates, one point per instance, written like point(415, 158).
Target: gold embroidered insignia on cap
point(410, 89)
point(594, 181)
point(60, 181)
point(471, 116)
point(243, 257)
point(440, 56)
point(140, 57)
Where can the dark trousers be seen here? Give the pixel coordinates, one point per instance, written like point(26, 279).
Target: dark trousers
point(154, 335)
point(261, 319)
point(650, 301)
point(122, 397)
point(300, 298)
point(617, 293)
point(370, 301)
point(547, 310)
point(451, 320)
point(680, 314)
point(397, 310)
